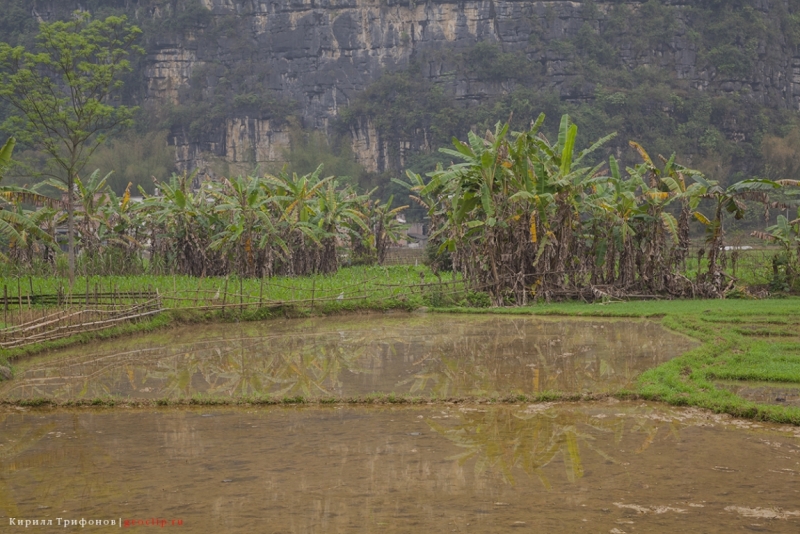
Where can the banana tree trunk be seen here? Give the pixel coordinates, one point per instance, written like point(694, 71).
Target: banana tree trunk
point(71, 229)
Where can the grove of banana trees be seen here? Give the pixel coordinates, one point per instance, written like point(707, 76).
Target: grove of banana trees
point(251, 226)
point(522, 217)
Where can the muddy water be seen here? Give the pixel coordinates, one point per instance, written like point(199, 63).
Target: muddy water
point(445, 355)
point(786, 394)
point(603, 467)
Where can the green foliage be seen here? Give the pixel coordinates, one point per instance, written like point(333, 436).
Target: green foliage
point(648, 27)
point(487, 62)
point(478, 299)
point(310, 149)
point(5, 155)
point(134, 159)
point(18, 228)
point(399, 104)
point(730, 60)
point(62, 93)
point(601, 91)
point(438, 258)
point(16, 24)
point(217, 91)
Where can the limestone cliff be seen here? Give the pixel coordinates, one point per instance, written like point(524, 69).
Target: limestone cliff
point(321, 54)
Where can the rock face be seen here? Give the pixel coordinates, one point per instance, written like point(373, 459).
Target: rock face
point(321, 53)
point(238, 140)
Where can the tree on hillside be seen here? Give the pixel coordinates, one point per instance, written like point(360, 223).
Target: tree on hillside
point(63, 92)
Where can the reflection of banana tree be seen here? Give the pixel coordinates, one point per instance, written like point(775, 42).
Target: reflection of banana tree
point(26, 461)
point(296, 367)
point(445, 376)
point(240, 374)
point(509, 365)
point(176, 373)
point(98, 383)
point(316, 369)
point(505, 440)
point(22, 442)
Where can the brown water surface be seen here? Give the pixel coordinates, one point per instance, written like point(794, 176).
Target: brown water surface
point(780, 393)
point(444, 355)
point(605, 467)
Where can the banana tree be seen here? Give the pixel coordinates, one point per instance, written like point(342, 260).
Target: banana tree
point(120, 231)
point(90, 197)
point(614, 205)
point(335, 209)
point(295, 198)
point(476, 218)
point(552, 181)
point(249, 234)
point(182, 224)
point(385, 227)
point(17, 227)
point(728, 200)
point(662, 241)
point(786, 233)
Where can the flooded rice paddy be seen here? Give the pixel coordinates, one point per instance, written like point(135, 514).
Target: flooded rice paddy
point(610, 466)
point(416, 354)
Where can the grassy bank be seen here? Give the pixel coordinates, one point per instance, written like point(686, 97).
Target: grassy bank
point(742, 340)
point(348, 285)
point(178, 317)
point(267, 400)
point(194, 300)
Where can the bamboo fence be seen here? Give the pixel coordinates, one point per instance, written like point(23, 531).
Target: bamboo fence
point(35, 318)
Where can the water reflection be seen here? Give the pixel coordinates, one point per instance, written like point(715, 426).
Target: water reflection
point(780, 393)
point(29, 449)
point(432, 355)
point(506, 440)
point(25, 438)
point(433, 469)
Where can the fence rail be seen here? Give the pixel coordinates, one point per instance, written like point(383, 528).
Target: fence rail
point(31, 317)
point(34, 318)
point(69, 322)
point(404, 256)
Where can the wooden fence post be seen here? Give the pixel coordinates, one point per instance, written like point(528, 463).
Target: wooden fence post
point(224, 296)
point(261, 291)
point(313, 290)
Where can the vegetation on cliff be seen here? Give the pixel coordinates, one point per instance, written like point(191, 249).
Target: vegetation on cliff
point(712, 101)
point(603, 86)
